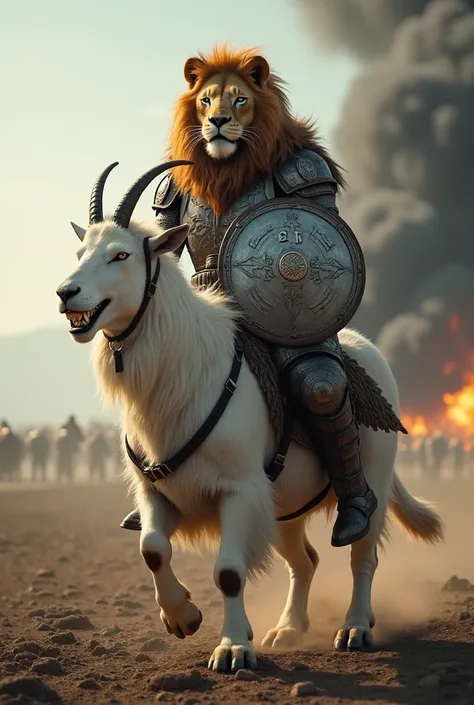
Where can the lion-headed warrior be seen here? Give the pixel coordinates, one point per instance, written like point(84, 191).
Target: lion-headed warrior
point(235, 123)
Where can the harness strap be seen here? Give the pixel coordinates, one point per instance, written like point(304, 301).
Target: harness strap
point(150, 288)
point(165, 468)
point(276, 466)
point(159, 471)
point(309, 505)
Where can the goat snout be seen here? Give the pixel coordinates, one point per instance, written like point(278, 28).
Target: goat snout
point(67, 292)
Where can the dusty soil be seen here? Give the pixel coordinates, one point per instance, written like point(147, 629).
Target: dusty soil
point(79, 623)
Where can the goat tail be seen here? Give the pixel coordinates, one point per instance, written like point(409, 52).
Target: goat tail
point(418, 517)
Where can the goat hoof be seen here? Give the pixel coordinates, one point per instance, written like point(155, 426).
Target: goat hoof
point(229, 658)
point(353, 639)
point(283, 639)
point(194, 626)
point(184, 622)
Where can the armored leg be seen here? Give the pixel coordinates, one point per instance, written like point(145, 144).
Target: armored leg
point(316, 380)
point(132, 521)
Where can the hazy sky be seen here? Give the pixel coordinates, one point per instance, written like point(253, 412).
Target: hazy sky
point(89, 82)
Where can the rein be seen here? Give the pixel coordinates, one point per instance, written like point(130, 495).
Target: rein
point(150, 288)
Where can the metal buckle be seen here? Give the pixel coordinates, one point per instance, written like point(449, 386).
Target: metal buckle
point(280, 459)
point(152, 287)
point(114, 346)
point(230, 385)
point(156, 472)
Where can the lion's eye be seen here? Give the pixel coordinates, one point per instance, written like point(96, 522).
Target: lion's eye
point(240, 100)
point(206, 101)
point(120, 257)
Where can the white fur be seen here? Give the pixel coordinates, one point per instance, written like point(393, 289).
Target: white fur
point(176, 364)
point(221, 149)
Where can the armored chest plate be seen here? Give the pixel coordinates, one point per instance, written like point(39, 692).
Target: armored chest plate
point(295, 270)
point(206, 230)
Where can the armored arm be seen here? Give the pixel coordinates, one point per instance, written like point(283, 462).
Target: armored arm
point(167, 206)
point(305, 174)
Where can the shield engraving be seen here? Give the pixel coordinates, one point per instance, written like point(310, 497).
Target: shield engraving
point(295, 270)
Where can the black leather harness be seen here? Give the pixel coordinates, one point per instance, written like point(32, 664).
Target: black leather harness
point(161, 470)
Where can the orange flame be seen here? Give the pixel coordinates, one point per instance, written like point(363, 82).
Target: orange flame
point(416, 426)
point(460, 406)
point(455, 416)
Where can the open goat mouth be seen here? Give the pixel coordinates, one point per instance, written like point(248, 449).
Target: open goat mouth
point(83, 321)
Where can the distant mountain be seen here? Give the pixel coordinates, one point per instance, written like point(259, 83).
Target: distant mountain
point(44, 377)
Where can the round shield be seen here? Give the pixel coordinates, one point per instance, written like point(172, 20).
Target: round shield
point(295, 270)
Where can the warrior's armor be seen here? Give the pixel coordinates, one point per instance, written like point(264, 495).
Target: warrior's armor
point(313, 376)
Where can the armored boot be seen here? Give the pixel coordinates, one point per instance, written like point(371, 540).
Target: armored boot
point(316, 380)
point(132, 521)
point(338, 437)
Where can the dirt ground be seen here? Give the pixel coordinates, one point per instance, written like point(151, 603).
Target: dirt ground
point(79, 623)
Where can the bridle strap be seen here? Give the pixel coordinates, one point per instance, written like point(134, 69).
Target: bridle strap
point(150, 288)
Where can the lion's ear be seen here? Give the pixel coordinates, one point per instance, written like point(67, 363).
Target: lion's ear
point(259, 70)
point(191, 70)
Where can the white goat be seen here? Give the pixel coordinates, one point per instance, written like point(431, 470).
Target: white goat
point(176, 362)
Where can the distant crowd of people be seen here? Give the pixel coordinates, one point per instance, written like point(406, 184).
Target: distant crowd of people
point(69, 453)
point(46, 453)
point(436, 455)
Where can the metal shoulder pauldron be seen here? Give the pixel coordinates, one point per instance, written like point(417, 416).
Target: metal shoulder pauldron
point(304, 170)
point(166, 193)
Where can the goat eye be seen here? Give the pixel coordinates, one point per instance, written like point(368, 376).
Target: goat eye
point(120, 257)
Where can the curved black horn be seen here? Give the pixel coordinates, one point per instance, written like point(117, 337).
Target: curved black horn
point(127, 205)
point(96, 211)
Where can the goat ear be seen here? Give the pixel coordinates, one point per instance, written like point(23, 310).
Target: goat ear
point(80, 232)
point(169, 241)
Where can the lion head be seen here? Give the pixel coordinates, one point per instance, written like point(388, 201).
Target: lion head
point(234, 122)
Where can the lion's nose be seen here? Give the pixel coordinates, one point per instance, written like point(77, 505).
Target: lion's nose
point(219, 121)
point(67, 292)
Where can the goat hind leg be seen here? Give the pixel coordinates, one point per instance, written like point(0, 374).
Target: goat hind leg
point(159, 520)
point(302, 561)
point(356, 632)
point(247, 528)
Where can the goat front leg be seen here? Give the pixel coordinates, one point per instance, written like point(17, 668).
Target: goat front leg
point(159, 519)
point(247, 529)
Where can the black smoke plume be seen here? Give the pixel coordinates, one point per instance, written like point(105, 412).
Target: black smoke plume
point(406, 138)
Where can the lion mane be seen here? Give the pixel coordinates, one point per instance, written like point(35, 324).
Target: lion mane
point(277, 133)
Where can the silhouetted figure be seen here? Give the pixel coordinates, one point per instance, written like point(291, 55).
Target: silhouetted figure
point(68, 443)
point(11, 453)
point(74, 431)
point(39, 447)
point(458, 456)
point(420, 458)
point(437, 453)
point(97, 454)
